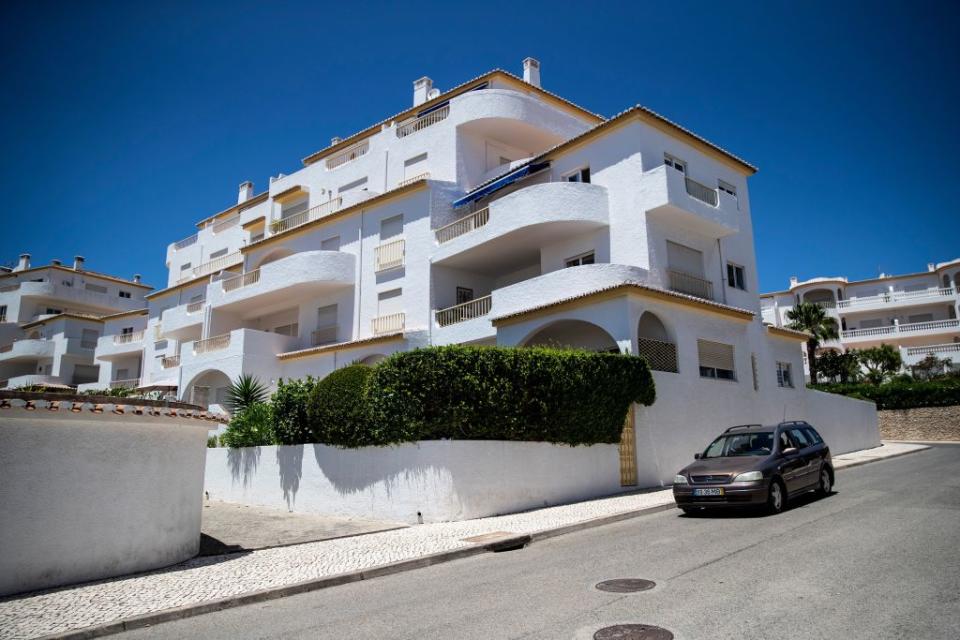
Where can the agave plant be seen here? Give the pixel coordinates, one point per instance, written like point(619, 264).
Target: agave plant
point(243, 393)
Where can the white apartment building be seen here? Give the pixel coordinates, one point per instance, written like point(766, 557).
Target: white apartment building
point(51, 318)
point(915, 312)
point(494, 213)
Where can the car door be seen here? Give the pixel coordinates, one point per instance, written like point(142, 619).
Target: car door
point(790, 465)
point(808, 471)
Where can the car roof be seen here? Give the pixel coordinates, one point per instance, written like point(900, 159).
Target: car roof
point(754, 428)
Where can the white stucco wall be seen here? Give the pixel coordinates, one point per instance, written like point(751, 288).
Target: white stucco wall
point(87, 496)
point(442, 480)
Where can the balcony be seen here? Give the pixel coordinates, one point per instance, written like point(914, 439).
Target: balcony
point(170, 362)
point(234, 352)
point(229, 222)
point(182, 321)
point(464, 311)
point(212, 266)
point(393, 323)
point(298, 276)
point(390, 255)
point(675, 198)
point(27, 349)
point(415, 125)
point(31, 380)
point(897, 298)
point(186, 242)
point(107, 302)
point(510, 232)
point(918, 329)
point(124, 344)
point(302, 218)
point(348, 155)
point(690, 284)
point(125, 383)
point(947, 351)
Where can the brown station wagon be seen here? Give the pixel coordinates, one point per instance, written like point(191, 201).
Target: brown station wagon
point(758, 466)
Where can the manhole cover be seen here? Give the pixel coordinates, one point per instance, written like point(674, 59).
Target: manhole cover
point(626, 585)
point(632, 632)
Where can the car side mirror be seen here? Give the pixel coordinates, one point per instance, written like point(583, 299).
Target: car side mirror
point(789, 451)
point(696, 456)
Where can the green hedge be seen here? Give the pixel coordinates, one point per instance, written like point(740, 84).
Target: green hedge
point(252, 427)
point(493, 393)
point(337, 410)
point(901, 395)
point(290, 421)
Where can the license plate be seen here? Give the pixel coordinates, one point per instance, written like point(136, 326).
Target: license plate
point(708, 492)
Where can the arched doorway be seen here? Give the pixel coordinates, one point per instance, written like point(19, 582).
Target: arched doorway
point(573, 334)
point(654, 343)
point(208, 390)
point(822, 297)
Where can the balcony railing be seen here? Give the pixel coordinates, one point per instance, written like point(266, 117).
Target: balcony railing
point(662, 356)
point(325, 335)
point(424, 121)
point(126, 383)
point(464, 225)
point(701, 192)
point(892, 329)
point(464, 311)
point(193, 307)
point(690, 284)
point(896, 296)
point(348, 155)
point(88, 344)
point(935, 349)
point(231, 284)
point(186, 242)
point(390, 255)
point(226, 223)
point(216, 343)
point(392, 323)
point(420, 176)
point(217, 264)
point(302, 218)
point(127, 338)
point(170, 362)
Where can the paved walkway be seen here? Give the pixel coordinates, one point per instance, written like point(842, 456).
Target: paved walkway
point(216, 577)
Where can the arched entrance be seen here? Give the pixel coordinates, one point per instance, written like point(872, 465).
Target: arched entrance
point(208, 390)
point(573, 334)
point(655, 344)
point(824, 297)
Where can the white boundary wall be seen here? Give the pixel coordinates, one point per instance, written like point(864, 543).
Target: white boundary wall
point(87, 496)
point(443, 480)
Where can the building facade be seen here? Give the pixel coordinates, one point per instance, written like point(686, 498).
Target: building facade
point(917, 312)
point(52, 317)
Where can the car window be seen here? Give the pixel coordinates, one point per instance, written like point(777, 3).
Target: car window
point(813, 435)
point(758, 443)
point(785, 442)
point(800, 438)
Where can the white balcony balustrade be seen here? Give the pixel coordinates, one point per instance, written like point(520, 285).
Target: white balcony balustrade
point(128, 338)
point(170, 362)
point(410, 127)
point(186, 242)
point(934, 326)
point(701, 192)
point(466, 224)
point(126, 383)
point(420, 176)
point(27, 349)
point(216, 343)
point(393, 323)
point(302, 218)
point(390, 255)
point(245, 280)
point(904, 298)
point(217, 264)
point(226, 223)
point(348, 155)
point(690, 284)
point(464, 311)
point(194, 307)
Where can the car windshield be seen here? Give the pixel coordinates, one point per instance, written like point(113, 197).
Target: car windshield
point(755, 443)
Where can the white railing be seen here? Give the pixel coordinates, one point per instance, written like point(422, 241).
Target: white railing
point(464, 311)
point(348, 155)
point(418, 124)
point(231, 284)
point(193, 307)
point(701, 192)
point(216, 343)
point(464, 225)
point(226, 223)
point(302, 218)
point(392, 323)
point(420, 176)
point(325, 335)
point(950, 347)
point(690, 284)
point(186, 242)
point(127, 338)
point(170, 362)
point(126, 383)
point(217, 264)
point(896, 296)
point(912, 327)
point(390, 255)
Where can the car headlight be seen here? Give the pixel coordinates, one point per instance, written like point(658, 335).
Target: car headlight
point(749, 476)
point(679, 479)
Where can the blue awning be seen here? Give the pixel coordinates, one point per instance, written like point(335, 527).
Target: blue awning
point(500, 183)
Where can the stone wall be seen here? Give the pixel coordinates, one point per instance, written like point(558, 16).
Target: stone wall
point(927, 423)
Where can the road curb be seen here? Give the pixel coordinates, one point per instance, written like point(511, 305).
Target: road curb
point(273, 593)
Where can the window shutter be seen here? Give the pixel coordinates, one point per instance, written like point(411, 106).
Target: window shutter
point(685, 259)
point(715, 355)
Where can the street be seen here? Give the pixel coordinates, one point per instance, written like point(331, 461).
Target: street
point(877, 559)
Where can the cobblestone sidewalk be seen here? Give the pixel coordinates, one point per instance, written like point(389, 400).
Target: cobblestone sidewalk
point(216, 577)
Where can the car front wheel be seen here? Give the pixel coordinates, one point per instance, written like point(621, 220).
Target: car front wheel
point(776, 497)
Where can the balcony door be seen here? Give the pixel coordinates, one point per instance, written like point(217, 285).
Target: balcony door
point(684, 259)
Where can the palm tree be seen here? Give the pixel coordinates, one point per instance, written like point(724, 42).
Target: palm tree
point(243, 393)
point(810, 317)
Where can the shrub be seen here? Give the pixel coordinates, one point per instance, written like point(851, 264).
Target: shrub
point(212, 442)
point(491, 393)
point(290, 421)
point(243, 393)
point(337, 409)
point(252, 427)
point(941, 392)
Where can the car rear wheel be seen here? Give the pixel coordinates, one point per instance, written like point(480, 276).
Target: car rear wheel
point(826, 484)
point(776, 497)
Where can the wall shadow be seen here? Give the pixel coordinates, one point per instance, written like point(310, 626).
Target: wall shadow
point(290, 464)
point(243, 464)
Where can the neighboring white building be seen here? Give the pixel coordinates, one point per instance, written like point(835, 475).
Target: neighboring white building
point(51, 318)
point(493, 213)
point(916, 312)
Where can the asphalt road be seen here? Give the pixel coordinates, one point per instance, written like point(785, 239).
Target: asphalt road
point(877, 559)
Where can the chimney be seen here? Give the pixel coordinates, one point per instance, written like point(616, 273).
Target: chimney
point(531, 71)
point(931, 266)
point(793, 280)
point(136, 278)
point(334, 140)
point(78, 263)
point(246, 192)
point(55, 262)
point(421, 88)
point(24, 263)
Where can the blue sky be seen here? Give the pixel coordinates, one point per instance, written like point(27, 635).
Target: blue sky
point(122, 124)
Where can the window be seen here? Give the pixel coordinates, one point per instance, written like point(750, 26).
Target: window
point(184, 266)
point(676, 163)
point(727, 187)
point(68, 283)
point(736, 277)
point(389, 302)
point(356, 184)
point(256, 237)
point(53, 311)
point(327, 316)
point(415, 166)
point(126, 331)
point(464, 294)
point(3, 313)
point(812, 435)
point(580, 175)
point(125, 294)
point(122, 374)
point(800, 437)
point(922, 317)
point(287, 211)
point(218, 253)
point(576, 261)
point(391, 227)
point(330, 244)
point(88, 338)
point(292, 329)
point(784, 375)
point(716, 360)
point(96, 288)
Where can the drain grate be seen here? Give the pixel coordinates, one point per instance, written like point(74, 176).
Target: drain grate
point(626, 585)
point(632, 632)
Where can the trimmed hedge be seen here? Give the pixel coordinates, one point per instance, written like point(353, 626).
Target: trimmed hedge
point(337, 410)
point(290, 421)
point(493, 393)
point(943, 392)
